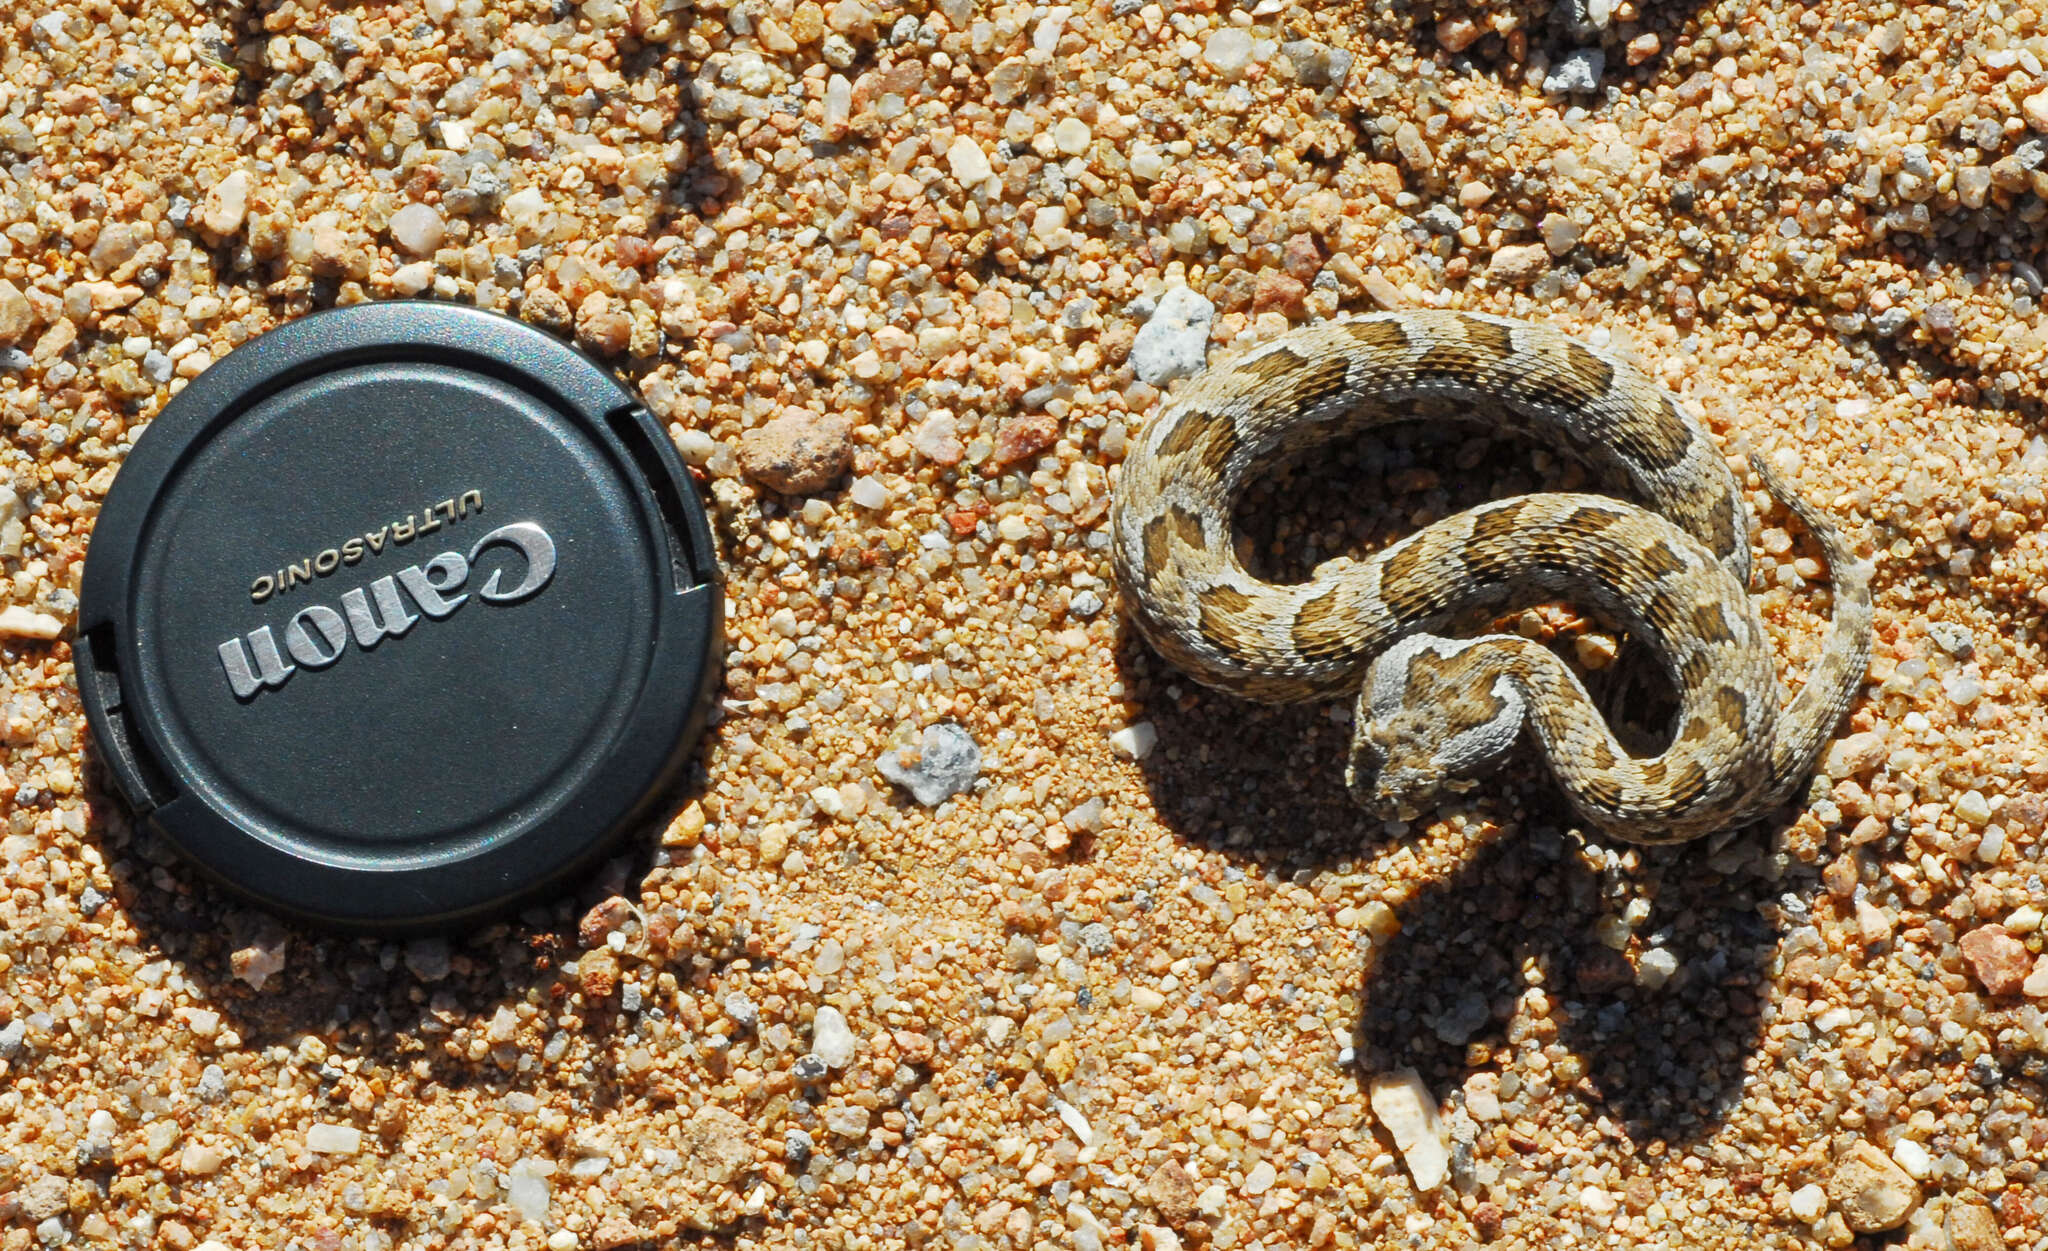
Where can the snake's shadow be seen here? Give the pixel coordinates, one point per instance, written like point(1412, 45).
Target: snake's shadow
point(1515, 908)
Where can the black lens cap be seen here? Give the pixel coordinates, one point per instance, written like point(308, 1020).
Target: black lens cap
point(398, 614)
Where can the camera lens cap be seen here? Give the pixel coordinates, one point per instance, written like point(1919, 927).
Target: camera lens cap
point(397, 615)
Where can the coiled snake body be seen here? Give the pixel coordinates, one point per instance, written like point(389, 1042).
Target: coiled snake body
point(1434, 712)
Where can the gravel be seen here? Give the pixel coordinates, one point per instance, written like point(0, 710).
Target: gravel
point(1813, 224)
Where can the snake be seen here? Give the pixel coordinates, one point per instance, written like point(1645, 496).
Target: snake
point(1435, 713)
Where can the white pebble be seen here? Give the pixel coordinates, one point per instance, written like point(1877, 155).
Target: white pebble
point(526, 1188)
point(1071, 1117)
point(330, 1139)
point(227, 204)
point(831, 1040)
point(1913, 1157)
point(1809, 1201)
point(418, 229)
point(1135, 742)
point(1578, 71)
point(1972, 807)
point(1405, 1106)
point(1656, 968)
point(696, 447)
point(969, 163)
point(1071, 136)
point(414, 278)
point(1228, 50)
point(25, 623)
point(869, 493)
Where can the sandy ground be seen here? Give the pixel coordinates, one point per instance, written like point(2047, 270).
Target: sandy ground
point(1135, 988)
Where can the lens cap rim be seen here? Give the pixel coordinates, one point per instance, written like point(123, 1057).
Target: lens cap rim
point(650, 741)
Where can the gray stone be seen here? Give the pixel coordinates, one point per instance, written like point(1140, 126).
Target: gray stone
point(1174, 342)
point(427, 958)
point(1462, 1019)
point(1442, 219)
point(797, 1148)
point(948, 762)
point(1317, 64)
point(1578, 71)
point(1956, 640)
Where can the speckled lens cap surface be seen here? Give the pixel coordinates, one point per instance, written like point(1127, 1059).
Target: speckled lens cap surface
point(398, 615)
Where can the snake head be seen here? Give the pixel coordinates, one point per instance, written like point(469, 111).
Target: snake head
point(1433, 715)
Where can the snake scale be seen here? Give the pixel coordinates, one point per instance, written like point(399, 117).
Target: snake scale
point(1435, 713)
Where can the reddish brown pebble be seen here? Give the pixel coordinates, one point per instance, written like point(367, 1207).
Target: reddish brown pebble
point(1019, 437)
point(1302, 257)
point(1172, 1192)
point(1486, 1220)
point(1281, 292)
point(600, 921)
point(597, 973)
point(2000, 961)
point(798, 453)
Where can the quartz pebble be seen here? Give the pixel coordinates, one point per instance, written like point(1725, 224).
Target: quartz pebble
point(258, 962)
point(1135, 742)
point(330, 1139)
point(1560, 234)
point(26, 623)
point(418, 229)
point(968, 162)
point(831, 1040)
point(946, 763)
point(226, 205)
point(527, 1188)
point(868, 492)
point(2035, 109)
point(1408, 1111)
point(1228, 50)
